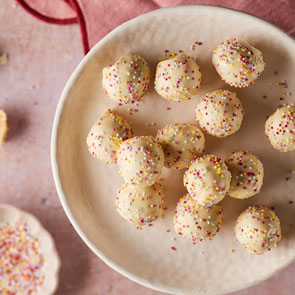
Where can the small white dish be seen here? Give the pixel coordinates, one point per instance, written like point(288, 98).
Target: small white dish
point(51, 266)
point(87, 188)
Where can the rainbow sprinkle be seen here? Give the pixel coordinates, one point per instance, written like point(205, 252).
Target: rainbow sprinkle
point(20, 261)
point(195, 44)
point(283, 83)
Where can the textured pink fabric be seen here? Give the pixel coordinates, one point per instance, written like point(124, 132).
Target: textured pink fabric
point(101, 16)
point(52, 8)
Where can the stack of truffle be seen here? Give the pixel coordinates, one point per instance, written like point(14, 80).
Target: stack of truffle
point(208, 179)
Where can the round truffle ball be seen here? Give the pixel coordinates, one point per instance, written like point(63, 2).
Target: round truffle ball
point(3, 126)
point(178, 78)
point(197, 222)
point(258, 229)
point(181, 143)
point(247, 174)
point(220, 113)
point(207, 180)
point(127, 80)
point(237, 62)
point(140, 205)
point(140, 160)
point(280, 128)
point(106, 135)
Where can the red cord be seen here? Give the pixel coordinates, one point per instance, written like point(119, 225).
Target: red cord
point(82, 23)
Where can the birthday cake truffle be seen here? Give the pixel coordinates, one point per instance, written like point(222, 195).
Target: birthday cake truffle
point(207, 180)
point(140, 205)
point(127, 80)
point(3, 126)
point(220, 113)
point(181, 143)
point(247, 174)
point(106, 135)
point(178, 78)
point(140, 160)
point(280, 128)
point(258, 229)
point(237, 62)
point(197, 222)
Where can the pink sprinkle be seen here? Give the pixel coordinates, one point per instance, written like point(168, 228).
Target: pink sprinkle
point(167, 230)
point(173, 248)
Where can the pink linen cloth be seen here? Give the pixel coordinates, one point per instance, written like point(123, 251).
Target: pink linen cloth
point(99, 17)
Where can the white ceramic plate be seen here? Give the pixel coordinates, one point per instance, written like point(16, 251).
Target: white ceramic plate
point(87, 187)
point(51, 266)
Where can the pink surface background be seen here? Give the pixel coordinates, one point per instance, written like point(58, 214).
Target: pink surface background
point(41, 59)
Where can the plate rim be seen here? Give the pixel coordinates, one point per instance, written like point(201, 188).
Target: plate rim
point(54, 162)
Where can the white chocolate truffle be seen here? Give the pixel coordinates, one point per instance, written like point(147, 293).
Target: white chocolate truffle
point(237, 62)
point(258, 229)
point(3, 126)
point(106, 135)
point(140, 205)
point(220, 113)
point(181, 143)
point(280, 128)
point(127, 80)
point(178, 78)
point(207, 180)
point(196, 222)
point(140, 160)
point(247, 174)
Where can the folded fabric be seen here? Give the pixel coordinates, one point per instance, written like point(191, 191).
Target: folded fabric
point(98, 17)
